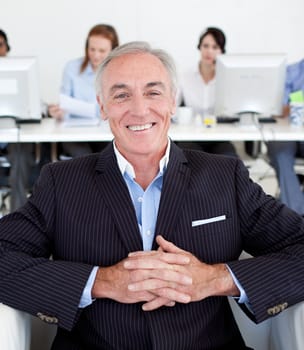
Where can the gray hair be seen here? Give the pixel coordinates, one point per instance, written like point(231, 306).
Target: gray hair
point(136, 47)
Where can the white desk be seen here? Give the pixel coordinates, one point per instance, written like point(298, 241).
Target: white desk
point(51, 131)
point(282, 131)
point(237, 132)
point(9, 136)
point(8, 131)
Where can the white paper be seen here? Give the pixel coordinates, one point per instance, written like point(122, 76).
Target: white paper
point(69, 122)
point(77, 107)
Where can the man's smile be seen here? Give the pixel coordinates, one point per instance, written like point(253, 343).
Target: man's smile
point(140, 127)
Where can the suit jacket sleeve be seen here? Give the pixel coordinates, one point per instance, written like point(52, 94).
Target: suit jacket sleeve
point(30, 279)
point(267, 228)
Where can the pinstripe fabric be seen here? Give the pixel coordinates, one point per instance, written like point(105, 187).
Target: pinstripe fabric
point(81, 214)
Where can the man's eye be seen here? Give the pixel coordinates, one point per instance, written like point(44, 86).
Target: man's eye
point(121, 96)
point(153, 93)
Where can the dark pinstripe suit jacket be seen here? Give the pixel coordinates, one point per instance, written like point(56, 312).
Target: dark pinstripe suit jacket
point(81, 214)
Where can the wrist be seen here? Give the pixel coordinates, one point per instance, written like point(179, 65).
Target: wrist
point(223, 282)
point(100, 287)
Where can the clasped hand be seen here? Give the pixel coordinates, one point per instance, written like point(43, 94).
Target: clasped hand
point(162, 277)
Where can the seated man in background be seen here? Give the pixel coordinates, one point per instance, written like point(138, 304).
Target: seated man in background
point(4, 49)
point(145, 238)
point(282, 154)
point(23, 169)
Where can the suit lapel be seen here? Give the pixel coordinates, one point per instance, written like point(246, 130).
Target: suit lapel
point(115, 192)
point(175, 183)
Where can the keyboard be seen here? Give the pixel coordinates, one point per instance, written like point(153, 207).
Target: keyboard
point(265, 120)
point(227, 120)
point(234, 119)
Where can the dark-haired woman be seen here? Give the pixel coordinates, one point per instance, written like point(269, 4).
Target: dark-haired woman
point(197, 88)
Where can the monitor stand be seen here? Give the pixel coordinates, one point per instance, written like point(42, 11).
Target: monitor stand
point(254, 118)
point(249, 118)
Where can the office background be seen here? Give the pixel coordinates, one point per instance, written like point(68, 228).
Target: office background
point(55, 31)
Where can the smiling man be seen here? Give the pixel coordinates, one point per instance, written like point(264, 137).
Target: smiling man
point(138, 99)
point(145, 237)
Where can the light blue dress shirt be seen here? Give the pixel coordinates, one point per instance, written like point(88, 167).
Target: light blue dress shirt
point(146, 203)
point(80, 85)
point(294, 79)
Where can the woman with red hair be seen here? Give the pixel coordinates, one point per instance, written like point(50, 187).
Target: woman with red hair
point(79, 77)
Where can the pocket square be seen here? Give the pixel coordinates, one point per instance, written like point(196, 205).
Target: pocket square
point(208, 221)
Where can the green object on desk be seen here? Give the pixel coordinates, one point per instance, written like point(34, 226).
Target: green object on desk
point(297, 96)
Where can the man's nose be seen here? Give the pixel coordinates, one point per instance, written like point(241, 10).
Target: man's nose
point(139, 106)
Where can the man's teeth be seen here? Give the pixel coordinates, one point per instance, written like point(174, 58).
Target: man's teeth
point(140, 127)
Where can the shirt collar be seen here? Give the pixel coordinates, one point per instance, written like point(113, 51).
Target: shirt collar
point(126, 167)
point(212, 81)
point(89, 69)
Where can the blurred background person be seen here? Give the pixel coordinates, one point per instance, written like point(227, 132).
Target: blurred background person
point(197, 87)
point(4, 46)
point(4, 49)
point(78, 81)
point(22, 168)
point(4, 164)
point(282, 154)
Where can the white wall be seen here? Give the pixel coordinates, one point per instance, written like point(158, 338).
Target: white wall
point(55, 30)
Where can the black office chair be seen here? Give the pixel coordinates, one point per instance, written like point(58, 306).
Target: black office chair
point(253, 148)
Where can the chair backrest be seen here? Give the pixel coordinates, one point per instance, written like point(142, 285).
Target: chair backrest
point(287, 329)
point(15, 329)
point(255, 335)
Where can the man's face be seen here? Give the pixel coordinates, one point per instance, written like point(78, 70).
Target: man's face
point(138, 102)
point(3, 47)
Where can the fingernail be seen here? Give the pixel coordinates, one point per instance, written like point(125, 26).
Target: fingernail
point(186, 259)
point(186, 298)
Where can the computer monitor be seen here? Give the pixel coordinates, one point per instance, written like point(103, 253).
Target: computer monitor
point(19, 88)
point(250, 83)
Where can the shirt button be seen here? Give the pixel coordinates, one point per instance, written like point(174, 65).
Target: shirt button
point(140, 199)
point(148, 233)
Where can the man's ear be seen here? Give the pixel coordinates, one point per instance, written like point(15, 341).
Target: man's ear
point(101, 108)
point(173, 109)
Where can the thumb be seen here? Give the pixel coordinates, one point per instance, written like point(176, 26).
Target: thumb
point(167, 246)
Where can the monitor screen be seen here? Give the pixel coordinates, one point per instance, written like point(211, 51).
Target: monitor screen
point(19, 88)
point(250, 83)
